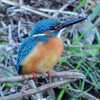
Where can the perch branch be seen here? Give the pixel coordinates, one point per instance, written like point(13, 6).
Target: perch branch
point(65, 74)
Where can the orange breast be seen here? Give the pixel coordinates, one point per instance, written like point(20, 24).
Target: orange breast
point(43, 57)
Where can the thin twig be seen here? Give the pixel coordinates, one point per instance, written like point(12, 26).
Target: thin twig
point(27, 8)
point(54, 11)
point(83, 94)
point(9, 2)
point(30, 92)
point(10, 35)
point(9, 47)
point(83, 46)
point(61, 9)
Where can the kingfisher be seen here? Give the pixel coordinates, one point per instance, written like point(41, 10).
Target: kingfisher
point(42, 49)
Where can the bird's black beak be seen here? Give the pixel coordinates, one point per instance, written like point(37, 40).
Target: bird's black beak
point(68, 22)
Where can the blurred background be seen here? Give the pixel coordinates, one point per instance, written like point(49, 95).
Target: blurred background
point(81, 45)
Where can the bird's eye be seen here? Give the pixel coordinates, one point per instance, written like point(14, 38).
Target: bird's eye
point(58, 27)
point(52, 28)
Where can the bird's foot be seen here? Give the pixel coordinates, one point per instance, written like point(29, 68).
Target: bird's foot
point(49, 74)
point(35, 76)
point(39, 75)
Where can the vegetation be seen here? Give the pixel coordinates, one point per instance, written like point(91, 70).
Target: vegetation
point(81, 48)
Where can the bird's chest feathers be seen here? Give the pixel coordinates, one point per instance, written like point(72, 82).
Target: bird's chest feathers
point(44, 56)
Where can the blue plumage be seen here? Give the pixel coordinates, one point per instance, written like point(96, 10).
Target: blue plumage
point(39, 28)
point(43, 26)
point(29, 43)
point(26, 47)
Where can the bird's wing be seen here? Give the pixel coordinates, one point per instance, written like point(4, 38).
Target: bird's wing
point(27, 45)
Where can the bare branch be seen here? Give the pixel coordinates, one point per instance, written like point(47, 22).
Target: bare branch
point(83, 94)
point(30, 92)
point(65, 74)
point(27, 8)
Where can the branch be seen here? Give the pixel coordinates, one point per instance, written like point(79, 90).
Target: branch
point(65, 74)
point(25, 7)
point(60, 11)
point(30, 92)
point(83, 94)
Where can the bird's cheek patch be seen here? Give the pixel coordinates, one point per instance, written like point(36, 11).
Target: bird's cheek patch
point(47, 33)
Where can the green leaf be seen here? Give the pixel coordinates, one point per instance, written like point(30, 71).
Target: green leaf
point(96, 12)
point(62, 92)
point(81, 4)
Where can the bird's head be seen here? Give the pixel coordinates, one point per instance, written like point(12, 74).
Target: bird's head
point(44, 26)
point(52, 27)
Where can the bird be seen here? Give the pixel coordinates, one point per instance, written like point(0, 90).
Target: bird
point(42, 49)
